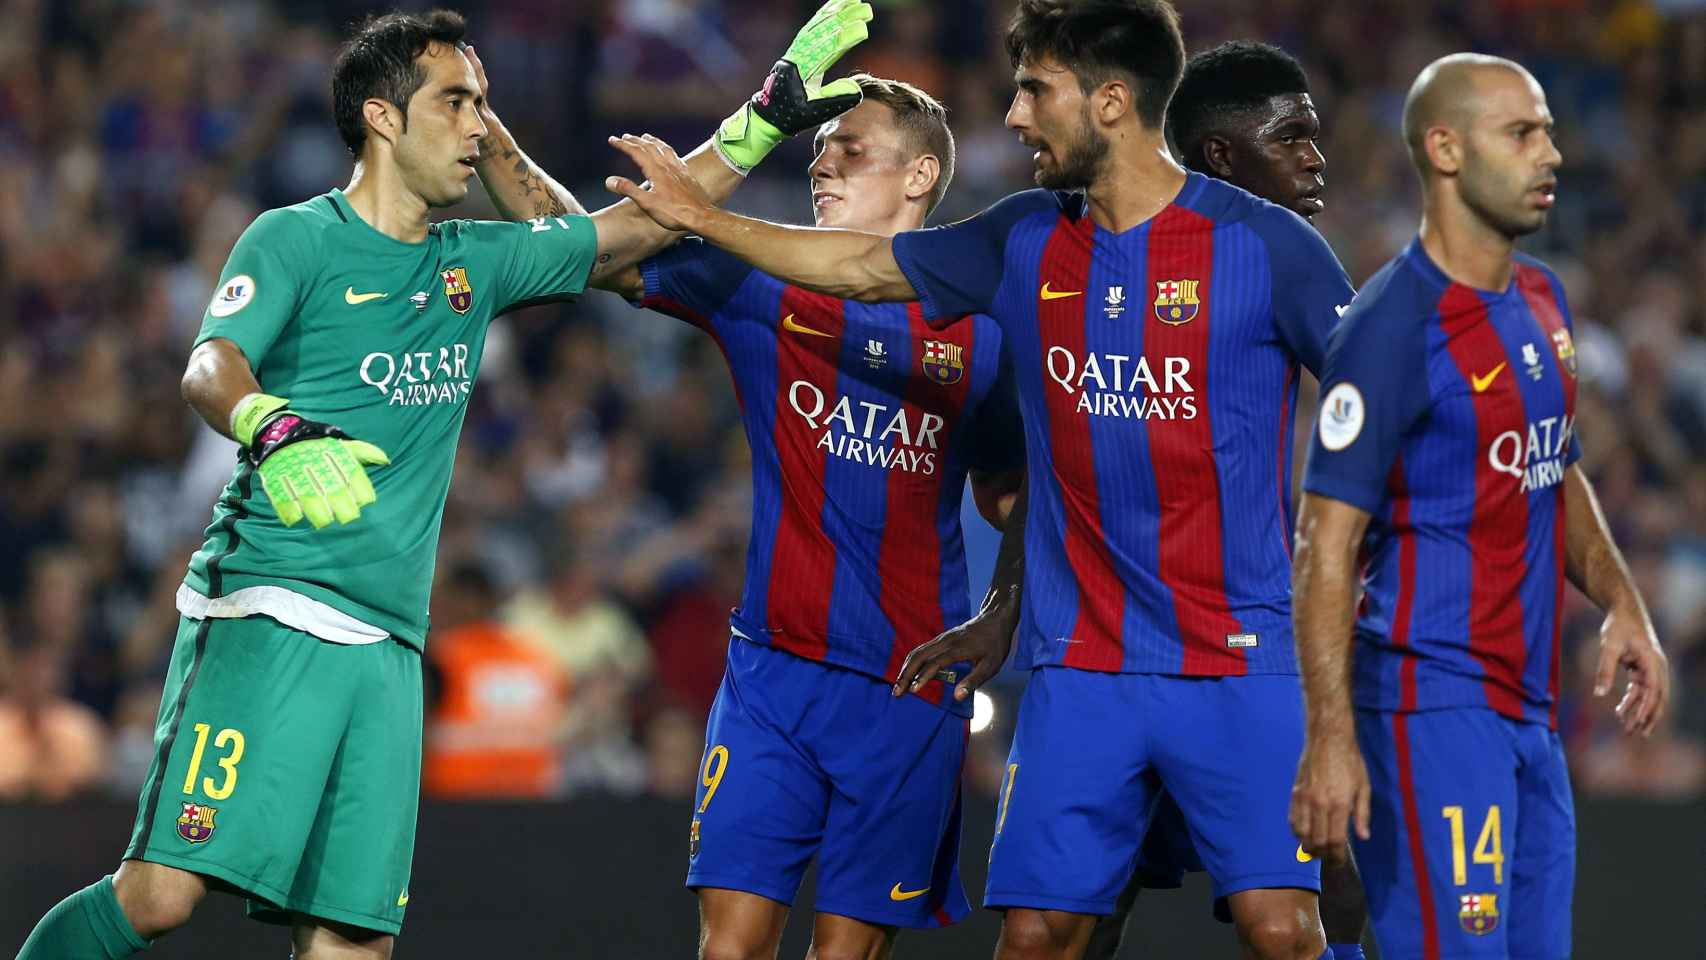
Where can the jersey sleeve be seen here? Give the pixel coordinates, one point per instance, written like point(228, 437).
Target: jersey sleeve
point(1310, 289)
point(996, 440)
point(546, 259)
point(691, 281)
point(1373, 390)
point(1574, 452)
point(957, 268)
point(262, 286)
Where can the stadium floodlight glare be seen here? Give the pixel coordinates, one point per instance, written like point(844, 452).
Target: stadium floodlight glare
point(982, 712)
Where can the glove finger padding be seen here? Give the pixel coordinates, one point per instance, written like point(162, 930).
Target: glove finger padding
point(341, 499)
point(837, 27)
point(284, 501)
point(367, 453)
point(360, 486)
point(312, 494)
point(846, 88)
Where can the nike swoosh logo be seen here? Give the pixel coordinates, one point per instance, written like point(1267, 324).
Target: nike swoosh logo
point(1048, 294)
point(1481, 383)
point(1341, 308)
point(1301, 856)
point(898, 894)
point(352, 298)
point(789, 325)
point(403, 899)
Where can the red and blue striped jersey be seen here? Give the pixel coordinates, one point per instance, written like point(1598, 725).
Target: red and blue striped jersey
point(1448, 414)
point(1157, 372)
point(863, 424)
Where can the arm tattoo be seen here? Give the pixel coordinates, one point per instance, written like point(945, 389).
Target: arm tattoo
point(546, 203)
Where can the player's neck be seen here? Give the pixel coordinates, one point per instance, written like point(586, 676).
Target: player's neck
point(1138, 181)
point(377, 194)
point(1466, 248)
point(908, 217)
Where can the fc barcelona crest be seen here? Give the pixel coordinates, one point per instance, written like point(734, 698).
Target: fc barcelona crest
point(944, 363)
point(195, 824)
point(693, 840)
point(1479, 913)
point(1566, 349)
point(457, 289)
point(1176, 301)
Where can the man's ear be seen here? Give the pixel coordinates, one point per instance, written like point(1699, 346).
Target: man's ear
point(383, 119)
point(1217, 154)
point(1112, 101)
point(926, 170)
point(1444, 148)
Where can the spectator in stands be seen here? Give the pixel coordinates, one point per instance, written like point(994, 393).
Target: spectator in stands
point(496, 727)
point(51, 747)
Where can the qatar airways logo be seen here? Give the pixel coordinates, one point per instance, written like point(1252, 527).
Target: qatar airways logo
point(1117, 385)
point(1536, 460)
point(421, 377)
point(874, 434)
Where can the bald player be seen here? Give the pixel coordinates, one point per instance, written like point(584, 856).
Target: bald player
point(1445, 460)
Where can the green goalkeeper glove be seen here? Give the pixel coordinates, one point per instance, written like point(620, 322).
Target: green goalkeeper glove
point(307, 468)
point(794, 97)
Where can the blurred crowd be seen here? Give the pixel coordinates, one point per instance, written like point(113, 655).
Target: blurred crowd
point(595, 535)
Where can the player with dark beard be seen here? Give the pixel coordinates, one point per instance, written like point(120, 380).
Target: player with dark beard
point(1243, 114)
point(1154, 620)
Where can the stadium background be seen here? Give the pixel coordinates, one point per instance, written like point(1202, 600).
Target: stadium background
point(598, 518)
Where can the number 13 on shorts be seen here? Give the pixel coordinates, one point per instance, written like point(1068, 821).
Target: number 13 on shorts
point(229, 742)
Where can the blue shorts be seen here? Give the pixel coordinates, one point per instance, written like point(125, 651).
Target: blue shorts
point(1167, 853)
point(802, 758)
point(1090, 757)
point(1472, 849)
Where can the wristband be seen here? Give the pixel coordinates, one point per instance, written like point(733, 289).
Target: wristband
point(252, 411)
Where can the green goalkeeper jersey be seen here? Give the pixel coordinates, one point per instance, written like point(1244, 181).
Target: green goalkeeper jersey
point(383, 339)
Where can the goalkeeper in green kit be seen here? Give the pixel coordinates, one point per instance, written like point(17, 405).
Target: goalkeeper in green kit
point(339, 350)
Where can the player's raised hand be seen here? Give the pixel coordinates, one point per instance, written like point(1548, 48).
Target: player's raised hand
point(1627, 639)
point(1331, 790)
point(484, 87)
point(794, 97)
point(983, 641)
point(671, 197)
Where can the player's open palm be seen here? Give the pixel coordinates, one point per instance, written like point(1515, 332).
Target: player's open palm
point(1331, 789)
point(1627, 640)
point(983, 641)
point(671, 197)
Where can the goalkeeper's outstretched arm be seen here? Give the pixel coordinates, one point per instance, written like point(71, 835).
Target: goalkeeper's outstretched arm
point(792, 99)
point(846, 264)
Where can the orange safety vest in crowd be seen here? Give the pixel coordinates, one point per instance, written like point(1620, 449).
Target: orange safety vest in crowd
point(497, 728)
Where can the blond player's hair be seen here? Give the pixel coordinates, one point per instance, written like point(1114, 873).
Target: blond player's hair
point(923, 123)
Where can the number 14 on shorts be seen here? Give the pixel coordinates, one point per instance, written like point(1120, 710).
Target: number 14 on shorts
point(1488, 846)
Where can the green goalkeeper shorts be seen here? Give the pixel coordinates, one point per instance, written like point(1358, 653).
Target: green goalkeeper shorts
point(287, 769)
